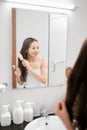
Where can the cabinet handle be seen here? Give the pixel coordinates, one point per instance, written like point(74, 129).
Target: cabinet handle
point(54, 67)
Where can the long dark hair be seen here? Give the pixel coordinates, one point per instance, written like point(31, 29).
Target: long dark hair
point(26, 44)
point(76, 82)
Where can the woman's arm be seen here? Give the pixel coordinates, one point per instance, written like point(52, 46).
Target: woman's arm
point(62, 112)
point(18, 74)
point(40, 77)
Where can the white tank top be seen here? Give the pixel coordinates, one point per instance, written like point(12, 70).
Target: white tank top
point(32, 82)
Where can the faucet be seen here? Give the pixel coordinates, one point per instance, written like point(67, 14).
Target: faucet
point(3, 87)
point(43, 111)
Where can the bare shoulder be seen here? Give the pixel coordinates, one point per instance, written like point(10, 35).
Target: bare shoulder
point(43, 61)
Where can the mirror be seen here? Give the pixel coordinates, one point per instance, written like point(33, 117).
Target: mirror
point(50, 29)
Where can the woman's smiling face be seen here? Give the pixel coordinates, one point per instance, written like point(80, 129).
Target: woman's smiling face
point(33, 50)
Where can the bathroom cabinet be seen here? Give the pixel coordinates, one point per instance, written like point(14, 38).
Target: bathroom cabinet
point(50, 29)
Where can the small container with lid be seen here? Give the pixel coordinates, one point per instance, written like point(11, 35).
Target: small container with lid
point(5, 116)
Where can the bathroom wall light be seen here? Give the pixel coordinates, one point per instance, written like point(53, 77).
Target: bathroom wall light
point(44, 3)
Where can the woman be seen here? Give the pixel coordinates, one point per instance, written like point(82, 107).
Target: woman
point(73, 111)
point(32, 70)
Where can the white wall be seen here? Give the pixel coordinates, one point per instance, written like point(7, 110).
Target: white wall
point(77, 31)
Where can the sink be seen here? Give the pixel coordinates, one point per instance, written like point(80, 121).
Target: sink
point(43, 123)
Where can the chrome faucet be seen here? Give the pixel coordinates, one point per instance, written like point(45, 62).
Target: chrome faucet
point(3, 87)
point(43, 111)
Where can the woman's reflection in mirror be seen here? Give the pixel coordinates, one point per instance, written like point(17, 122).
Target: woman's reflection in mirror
point(31, 70)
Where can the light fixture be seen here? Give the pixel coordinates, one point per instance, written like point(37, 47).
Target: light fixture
point(44, 3)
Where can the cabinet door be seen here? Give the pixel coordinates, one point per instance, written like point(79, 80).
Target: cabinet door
point(57, 55)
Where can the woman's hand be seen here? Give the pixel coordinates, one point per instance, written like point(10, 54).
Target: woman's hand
point(18, 72)
point(62, 112)
point(25, 63)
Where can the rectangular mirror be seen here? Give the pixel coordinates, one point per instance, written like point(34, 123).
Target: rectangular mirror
point(50, 29)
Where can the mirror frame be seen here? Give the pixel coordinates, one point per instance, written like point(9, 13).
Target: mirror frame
point(13, 47)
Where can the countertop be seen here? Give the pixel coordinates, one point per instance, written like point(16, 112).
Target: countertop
point(18, 127)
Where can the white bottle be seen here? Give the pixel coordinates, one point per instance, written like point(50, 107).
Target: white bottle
point(18, 113)
point(28, 112)
point(5, 116)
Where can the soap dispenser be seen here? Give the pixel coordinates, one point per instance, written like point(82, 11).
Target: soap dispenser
point(28, 112)
point(18, 113)
point(5, 116)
